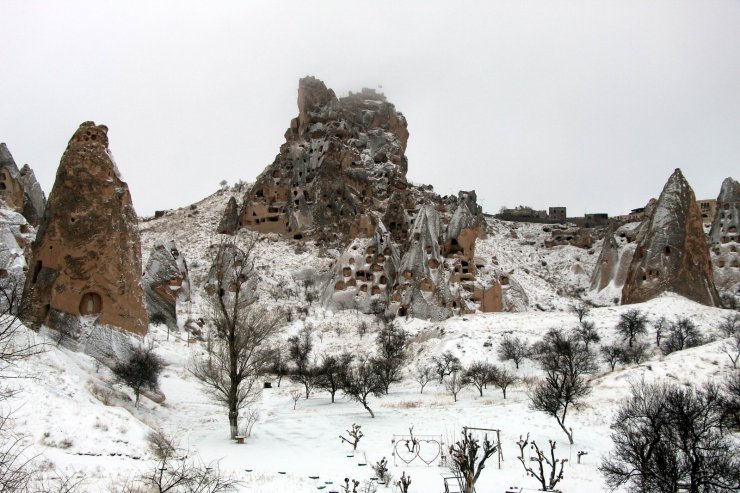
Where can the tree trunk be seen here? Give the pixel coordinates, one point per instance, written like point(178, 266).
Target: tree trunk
point(372, 414)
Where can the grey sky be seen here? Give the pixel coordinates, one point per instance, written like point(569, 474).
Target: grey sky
point(588, 104)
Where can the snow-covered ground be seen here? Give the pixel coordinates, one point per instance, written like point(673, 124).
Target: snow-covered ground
point(77, 419)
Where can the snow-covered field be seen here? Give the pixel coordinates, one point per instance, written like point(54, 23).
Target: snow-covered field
point(72, 414)
point(61, 412)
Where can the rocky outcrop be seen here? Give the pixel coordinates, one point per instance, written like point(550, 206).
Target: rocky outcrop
point(86, 260)
point(15, 249)
point(577, 237)
point(672, 253)
point(165, 282)
point(342, 159)
point(724, 241)
point(615, 258)
point(230, 220)
point(19, 189)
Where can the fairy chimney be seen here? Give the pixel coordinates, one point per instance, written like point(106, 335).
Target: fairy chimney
point(672, 253)
point(86, 260)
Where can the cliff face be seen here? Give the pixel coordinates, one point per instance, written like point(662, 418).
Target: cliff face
point(86, 260)
point(342, 159)
point(19, 189)
point(340, 179)
point(672, 253)
point(724, 241)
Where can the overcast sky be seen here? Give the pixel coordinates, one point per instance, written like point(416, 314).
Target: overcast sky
point(587, 104)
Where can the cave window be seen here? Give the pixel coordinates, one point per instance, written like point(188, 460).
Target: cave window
point(2, 186)
point(91, 304)
point(667, 251)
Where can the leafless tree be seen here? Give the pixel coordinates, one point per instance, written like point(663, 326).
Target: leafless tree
point(423, 374)
point(580, 310)
point(140, 371)
point(555, 474)
point(355, 435)
point(333, 371)
point(632, 324)
point(361, 382)
point(445, 364)
point(660, 326)
point(670, 438)
point(730, 324)
point(612, 354)
point(503, 379)
point(468, 459)
point(566, 364)
point(391, 354)
point(682, 334)
point(479, 374)
point(587, 333)
point(241, 352)
point(514, 348)
point(455, 383)
point(732, 349)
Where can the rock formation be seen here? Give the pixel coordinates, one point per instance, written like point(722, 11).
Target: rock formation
point(15, 248)
point(87, 255)
point(615, 258)
point(19, 189)
point(672, 253)
point(230, 220)
point(165, 282)
point(342, 158)
point(340, 179)
point(724, 241)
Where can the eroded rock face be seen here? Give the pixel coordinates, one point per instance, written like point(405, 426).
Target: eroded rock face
point(342, 159)
point(724, 241)
point(672, 253)
point(165, 282)
point(19, 189)
point(86, 261)
point(230, 220)
point(615, 258)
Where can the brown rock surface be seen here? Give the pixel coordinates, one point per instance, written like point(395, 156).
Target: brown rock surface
point(230, 220)
point(19, 189)
point(87, 254)
point(672, 253)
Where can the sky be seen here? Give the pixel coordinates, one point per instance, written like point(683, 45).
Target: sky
point(585, 104)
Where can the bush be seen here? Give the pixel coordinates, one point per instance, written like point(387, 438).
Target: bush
point(682, 334)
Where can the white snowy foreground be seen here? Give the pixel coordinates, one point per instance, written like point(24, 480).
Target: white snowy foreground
point(77, 420)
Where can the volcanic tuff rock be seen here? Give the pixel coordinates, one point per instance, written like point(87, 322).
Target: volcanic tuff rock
point(87, 254)
point(340, 178)
point(724, 240)
point(615, 258)
point(672, 253)
point(19, 189)
point(230, 220)
point(342, 159)
point(165, 282)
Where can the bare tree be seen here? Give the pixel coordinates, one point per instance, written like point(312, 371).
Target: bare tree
point(587, 333)
point(296, 395)
point(480, 373)
point(566, 363)
point(660, 326)
point(177, 474)
point(445, 364)
point(503, 378)
point(423, 374)
point(555, 474)
point(391, 344)
point(466, 463)
point(333, 371)
point(580, 310)
point(682, 334)
point(455, 383)
point(632, 324)
point(612, 354)
point(140, 371)
point(361, 382)
point(732, 349)
point(304, 371)
point(514, 348)
point(355, 435)
point(730, 324)
point(241, 352)
point(670, 438)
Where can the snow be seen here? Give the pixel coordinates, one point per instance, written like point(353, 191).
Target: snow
point(77, 418)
